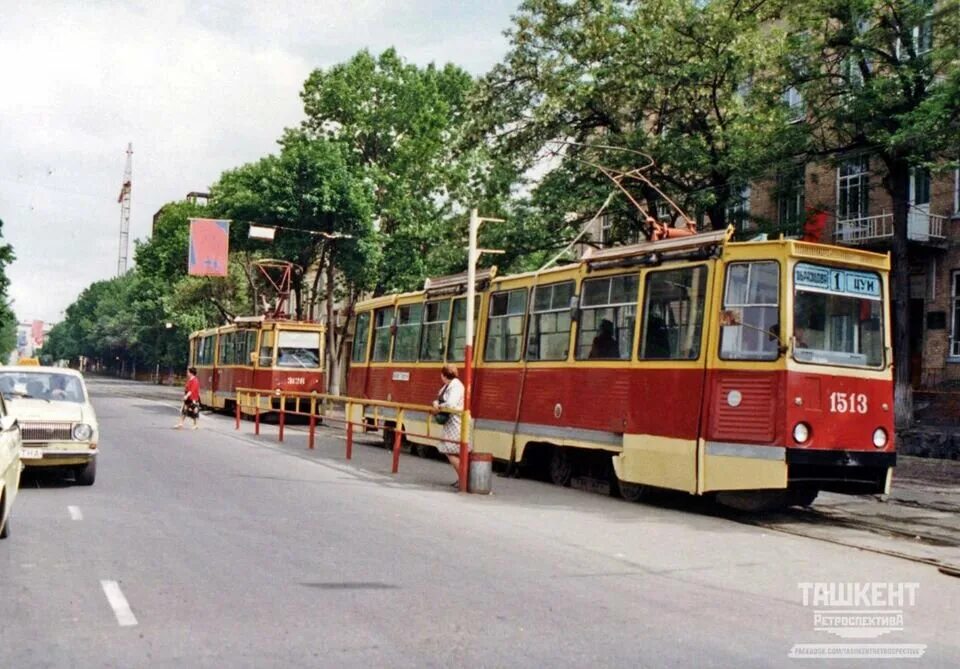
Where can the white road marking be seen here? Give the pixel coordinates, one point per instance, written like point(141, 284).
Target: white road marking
point(75, 512)
point(121, 609)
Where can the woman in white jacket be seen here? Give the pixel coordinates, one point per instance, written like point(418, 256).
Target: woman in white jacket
point(451, 397)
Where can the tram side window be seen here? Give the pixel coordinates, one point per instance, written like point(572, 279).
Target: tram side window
point(266, 348)
point(751, 304)
point(458, 331)
point(549, 335)
point(608, 317)
point(382, 320)
point(226, 348)
point(407, 339)
point(435, 317)
point(360, 337)
point(673, 314)
point(205, 347)
point(505, 325)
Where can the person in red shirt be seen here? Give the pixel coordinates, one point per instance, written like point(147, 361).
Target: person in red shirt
point(191, 399)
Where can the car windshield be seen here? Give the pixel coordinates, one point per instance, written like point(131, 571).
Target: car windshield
point(50, 386)
point(838, 316)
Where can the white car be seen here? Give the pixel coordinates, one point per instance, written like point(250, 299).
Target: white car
point(9, 466)
point(58, 425)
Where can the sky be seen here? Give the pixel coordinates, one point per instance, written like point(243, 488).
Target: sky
point(197, 87)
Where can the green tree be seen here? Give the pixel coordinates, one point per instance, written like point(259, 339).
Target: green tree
point(401, 127)
point(8, 321)
point(881, 77)
point(674, 79)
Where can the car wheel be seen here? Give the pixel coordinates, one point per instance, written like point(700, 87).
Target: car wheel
point(87, 473)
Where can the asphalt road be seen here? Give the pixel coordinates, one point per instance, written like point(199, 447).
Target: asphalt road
point(211, 548)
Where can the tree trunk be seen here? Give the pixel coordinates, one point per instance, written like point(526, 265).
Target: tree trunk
point(897, 184)
point(333, 353)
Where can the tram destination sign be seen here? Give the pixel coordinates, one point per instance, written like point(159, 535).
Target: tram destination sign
point(836, 281)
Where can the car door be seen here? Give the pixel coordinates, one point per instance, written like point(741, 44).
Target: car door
point(9, 458)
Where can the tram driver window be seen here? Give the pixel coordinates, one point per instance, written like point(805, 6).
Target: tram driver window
point(505, 325)
point(752, 299)
point(266, 349)
point(382, 321)
point(608, 316)
point(549, 335)
point(673, 314)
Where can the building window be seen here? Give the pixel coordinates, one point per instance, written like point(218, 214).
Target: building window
point(955, 330)
point(738, 208)
point(790, 197)
point(606, 231)
point(853, 188)
point(956, 191)
point(794, 101)
point(921, 187)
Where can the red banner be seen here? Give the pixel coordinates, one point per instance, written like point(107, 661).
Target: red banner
point(209, 247)
point(36, 332)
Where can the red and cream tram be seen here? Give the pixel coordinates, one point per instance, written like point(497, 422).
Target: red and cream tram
point(757, 370)
point(257, 353)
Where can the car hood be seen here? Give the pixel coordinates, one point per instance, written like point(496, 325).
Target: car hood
point(31, 410)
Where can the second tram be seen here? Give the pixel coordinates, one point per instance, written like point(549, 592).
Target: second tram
point(258, 353)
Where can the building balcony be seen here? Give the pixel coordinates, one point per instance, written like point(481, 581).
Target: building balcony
point(922, 228)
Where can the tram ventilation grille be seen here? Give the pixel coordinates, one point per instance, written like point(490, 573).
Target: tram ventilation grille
point(46, 431)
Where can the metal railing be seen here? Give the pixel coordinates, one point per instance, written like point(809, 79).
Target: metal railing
point(322, 408)
point(921, 227)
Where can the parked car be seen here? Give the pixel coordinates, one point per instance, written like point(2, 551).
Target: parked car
point(58, 425)
point(10, 466)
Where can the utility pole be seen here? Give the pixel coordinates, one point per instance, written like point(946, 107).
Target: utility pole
point(124, 200)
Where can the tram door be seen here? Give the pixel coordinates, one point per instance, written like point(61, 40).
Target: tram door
point(660, 447)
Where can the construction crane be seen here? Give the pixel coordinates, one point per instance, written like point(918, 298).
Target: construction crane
point(124, 200)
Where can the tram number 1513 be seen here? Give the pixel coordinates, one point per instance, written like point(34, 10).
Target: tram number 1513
point(848, 403)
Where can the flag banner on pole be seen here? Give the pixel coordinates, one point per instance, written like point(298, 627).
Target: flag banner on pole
point(209, 247)
point(36, 331)
point(262, 232)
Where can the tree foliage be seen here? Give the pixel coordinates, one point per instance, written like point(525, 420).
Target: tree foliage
point(8, 321)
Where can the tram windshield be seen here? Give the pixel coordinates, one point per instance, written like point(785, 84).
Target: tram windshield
point(298, 349)
point(838, 316)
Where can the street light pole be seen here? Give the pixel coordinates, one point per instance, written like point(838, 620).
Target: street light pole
point(473, 254)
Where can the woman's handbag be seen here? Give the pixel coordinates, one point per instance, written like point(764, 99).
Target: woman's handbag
point(443, 417)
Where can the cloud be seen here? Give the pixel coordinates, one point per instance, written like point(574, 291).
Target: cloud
point(197, 87)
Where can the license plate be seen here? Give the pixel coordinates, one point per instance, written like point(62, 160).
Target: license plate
point(31, 453)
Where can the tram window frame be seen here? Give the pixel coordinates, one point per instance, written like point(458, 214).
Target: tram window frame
point(681, 321)
point(457, 337)
point(383, 320)
point(406, 337)
point(439, 312)
point(361, 336)
point(607, 305)
point(554, 308)
point(738, 311)
point(513, 303)
point(265, 356)
point(226, 349)
point(206, 346)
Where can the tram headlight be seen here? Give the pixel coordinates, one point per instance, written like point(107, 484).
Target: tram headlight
point(82, 431)
point(879, 437)
point(801, 433)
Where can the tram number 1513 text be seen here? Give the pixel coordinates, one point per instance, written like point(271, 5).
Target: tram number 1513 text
point(848, 403)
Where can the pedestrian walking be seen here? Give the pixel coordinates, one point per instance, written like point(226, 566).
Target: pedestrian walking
point(191, 399)
point(450, 397)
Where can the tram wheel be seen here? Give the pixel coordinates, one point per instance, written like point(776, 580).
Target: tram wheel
point(803, 497)
point(631, 492)
point(561, 467)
